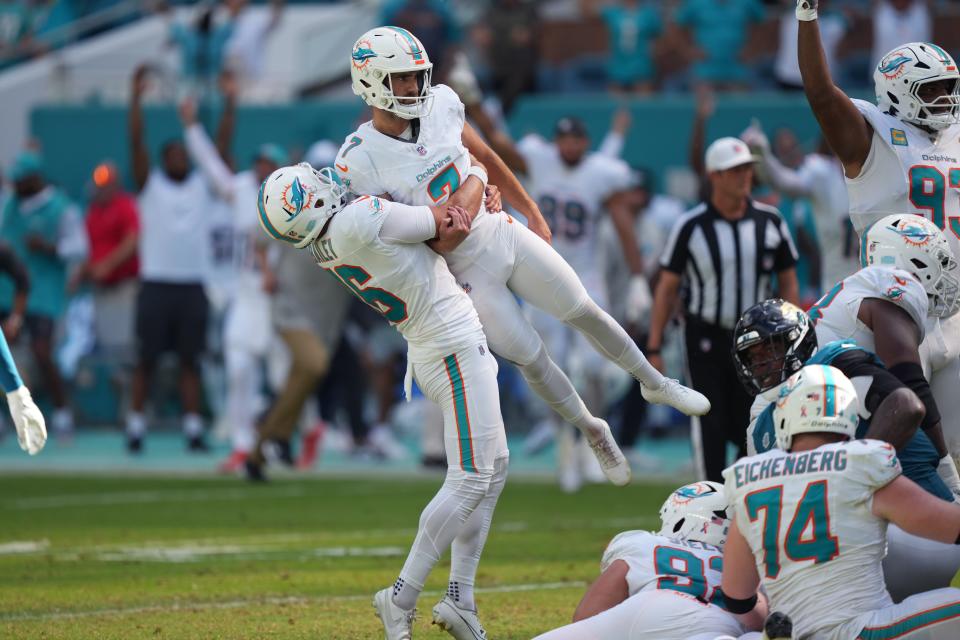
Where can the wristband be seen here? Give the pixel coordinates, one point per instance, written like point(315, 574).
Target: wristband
point(735, 605)
point(478, 171)
point(806, 10)
point(651, 352)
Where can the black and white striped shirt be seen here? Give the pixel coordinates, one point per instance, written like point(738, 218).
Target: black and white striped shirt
point(727, 265)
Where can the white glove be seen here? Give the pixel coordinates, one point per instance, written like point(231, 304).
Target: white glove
point(806, 10)
point(947, 470)
point(639, 299)
point(31, 430)
point(756, 139)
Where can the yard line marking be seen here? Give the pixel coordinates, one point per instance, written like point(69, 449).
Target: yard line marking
point(24, 546)
point(137, 497)
point(153, 549)
point(231, 552)
point(245, 602)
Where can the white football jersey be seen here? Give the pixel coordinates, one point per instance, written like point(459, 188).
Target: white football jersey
point(408, 284)
point(421, 171)
point(659, 562)
point(835, 314)
point(807, 518)
point(571, 198)
point(907, 169)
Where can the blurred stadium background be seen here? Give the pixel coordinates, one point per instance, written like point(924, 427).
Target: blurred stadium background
point(652, 73)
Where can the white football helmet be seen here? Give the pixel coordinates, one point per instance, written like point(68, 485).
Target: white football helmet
point(295, 202)
point(817, 399)
point(899, 76)
point(381, 52)
point(913, 243)
point(697, 511)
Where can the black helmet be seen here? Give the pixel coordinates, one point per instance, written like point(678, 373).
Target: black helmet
point(789, 336)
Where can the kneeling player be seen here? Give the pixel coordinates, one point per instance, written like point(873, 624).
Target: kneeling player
point(810, 521)
point(662, 586)
point(376, 249)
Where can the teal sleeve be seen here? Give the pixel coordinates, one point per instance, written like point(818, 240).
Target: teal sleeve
point(9, 377)
point(764, 437)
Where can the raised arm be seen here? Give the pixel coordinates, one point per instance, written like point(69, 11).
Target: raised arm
point(613, 142)
point(794, 183)
point(501, 176)
point(138, 149)
point(228, 117)
point(204, 154)
point(705, 107)
point(842, 124)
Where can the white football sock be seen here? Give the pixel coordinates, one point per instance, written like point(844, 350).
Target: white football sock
point(440, 522)
point(468, 545)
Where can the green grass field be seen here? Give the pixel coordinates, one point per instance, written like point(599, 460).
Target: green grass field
point(104, 557)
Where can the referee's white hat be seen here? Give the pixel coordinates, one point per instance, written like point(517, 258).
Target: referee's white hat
point(727, 153)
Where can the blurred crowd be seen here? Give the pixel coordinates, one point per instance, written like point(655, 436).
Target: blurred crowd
point(156, 270)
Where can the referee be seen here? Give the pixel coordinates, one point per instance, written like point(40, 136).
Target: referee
point(722, 255)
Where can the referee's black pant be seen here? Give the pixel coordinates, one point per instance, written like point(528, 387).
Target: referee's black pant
point(712, 373)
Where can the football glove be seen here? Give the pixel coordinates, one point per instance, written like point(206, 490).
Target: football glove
point(31, 429)
point(806, 10)
point(756, 139)
point(639, 299)
point(947, 470)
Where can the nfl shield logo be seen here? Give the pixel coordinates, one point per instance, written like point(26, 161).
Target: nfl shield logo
point(422, 150)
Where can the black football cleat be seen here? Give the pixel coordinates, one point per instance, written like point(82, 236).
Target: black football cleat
point(134, 445)
point(197, 444)
point(253, 471)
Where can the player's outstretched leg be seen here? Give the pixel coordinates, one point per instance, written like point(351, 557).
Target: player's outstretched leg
point(510, 334)
point(545, 280)
point(456, 613)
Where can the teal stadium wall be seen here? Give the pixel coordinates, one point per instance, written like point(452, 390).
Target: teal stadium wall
point(74, 139)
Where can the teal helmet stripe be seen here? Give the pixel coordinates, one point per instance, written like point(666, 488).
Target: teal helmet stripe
point(829, 393)
point(414, 47)
point(943, 54)
point(265, 221)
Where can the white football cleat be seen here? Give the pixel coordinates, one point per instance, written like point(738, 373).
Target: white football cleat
point(397, 622)
point(681, 398)
point(462, 624)
point(611, 459)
